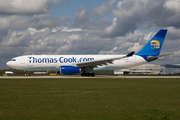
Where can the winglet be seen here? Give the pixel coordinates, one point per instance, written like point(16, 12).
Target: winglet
point(130, 54)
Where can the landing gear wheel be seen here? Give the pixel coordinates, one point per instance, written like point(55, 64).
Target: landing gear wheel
point(92, 74)
point(83, 74)
point(87, 74)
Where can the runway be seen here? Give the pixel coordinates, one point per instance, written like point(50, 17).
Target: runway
point(76, 76)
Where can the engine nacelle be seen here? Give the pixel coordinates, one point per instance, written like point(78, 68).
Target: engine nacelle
point(67, 70)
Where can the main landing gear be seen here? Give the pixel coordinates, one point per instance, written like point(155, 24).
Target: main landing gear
point(87, 74)
point(87, 71)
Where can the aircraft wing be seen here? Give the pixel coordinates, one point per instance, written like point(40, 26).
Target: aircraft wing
point(101, 62)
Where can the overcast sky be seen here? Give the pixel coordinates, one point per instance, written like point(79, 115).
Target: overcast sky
point(87, 27)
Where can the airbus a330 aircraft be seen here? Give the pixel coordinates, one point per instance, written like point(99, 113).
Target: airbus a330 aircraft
point(86, 64)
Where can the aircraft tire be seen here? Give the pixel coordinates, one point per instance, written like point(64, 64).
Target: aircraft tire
point(92, 74)
point(87, 74)
point(83, 74)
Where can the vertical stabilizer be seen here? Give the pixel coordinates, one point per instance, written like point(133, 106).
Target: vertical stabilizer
point(153, 47)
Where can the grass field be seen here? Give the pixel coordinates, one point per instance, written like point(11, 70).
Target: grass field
point(90, 99)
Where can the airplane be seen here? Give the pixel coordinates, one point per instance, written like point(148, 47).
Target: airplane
point(86, 64)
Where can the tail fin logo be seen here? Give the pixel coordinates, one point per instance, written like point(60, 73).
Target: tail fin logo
point(155, 45)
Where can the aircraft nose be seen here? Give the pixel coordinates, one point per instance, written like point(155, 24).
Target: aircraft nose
point(8, 63)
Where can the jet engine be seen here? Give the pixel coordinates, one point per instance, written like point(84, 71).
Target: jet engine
point(67, 70)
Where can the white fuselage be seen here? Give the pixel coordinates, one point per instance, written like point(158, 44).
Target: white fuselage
point(53, 62)
point(71, 64)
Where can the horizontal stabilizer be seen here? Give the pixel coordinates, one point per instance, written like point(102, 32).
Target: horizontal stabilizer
point(151, 58)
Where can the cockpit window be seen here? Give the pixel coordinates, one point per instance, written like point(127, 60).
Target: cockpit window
point(13, 60)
